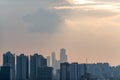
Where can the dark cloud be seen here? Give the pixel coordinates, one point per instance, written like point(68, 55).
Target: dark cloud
point(44, 21)
point(44, 3)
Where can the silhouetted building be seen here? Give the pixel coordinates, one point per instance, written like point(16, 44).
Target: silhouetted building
point(9, 60)
point(86, 75)
point(74, 71)
point(102, 71)
point(81, 71)
point(64, 71)
point(48, 61)
point(22, 67)
point(63, 56)
point(45, 73)
point(35, 62)
point(6, 73)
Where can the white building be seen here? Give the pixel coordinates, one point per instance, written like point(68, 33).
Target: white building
point(63, 56)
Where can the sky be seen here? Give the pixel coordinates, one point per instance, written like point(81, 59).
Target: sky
point(85, 28)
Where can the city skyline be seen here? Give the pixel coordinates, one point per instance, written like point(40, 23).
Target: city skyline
point(86, 28)
point(52, 60)
point(57, 58)
point(38, 69)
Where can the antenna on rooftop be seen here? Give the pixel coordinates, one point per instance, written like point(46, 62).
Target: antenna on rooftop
point(86, 60)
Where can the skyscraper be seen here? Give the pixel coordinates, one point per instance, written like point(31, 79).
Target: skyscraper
point(64, 71)
point(36, 61)
point(22, 67)
point(54, 62)
point(48, 61)
point(63, 56)
point(53, 59)
point(9, 60)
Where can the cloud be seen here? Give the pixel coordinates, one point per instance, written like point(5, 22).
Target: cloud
point(44, 20)
point(89, 10)
point(81, 12)
point(106, 0)
point(95, 13)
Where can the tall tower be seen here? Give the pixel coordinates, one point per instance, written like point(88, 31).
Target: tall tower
point(54, 62)
point(36, 61)
point(9, 60)
point(63, 56)
point(48, 61)
point(22, 67)
point(53, 59)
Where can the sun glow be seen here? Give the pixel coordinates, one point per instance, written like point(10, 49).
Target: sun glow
point(81, 1)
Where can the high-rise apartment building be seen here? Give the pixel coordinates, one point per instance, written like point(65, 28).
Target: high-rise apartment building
point(22, 67)
point(36, 61)
point(9, 60)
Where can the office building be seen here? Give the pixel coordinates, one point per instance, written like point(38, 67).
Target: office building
point(63, 56)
